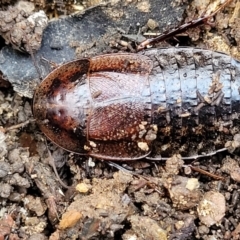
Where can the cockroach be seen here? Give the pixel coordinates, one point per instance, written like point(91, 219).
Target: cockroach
point(128, 106)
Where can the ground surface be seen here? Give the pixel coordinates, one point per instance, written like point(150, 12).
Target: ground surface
point(155, 200)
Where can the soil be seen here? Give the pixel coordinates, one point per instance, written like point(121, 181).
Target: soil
point(171, 199)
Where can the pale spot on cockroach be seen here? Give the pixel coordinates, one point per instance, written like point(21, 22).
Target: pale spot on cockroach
point(150, 136)
point(152, 133)
point(154, 127)
point(179, 100)
point(92, 144)
point(86, 148)
point(199, 129)
point(183, 148)
point(167, 131)
point(143, 146)
point(183, 115)
point(141, 126)
point(164, 147)
point(144, 123)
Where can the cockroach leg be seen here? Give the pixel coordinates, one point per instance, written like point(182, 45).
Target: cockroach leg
point(20, 125)
point(148, 180)
point(52, 163)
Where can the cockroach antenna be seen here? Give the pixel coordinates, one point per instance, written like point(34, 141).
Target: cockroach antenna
point(53, 165)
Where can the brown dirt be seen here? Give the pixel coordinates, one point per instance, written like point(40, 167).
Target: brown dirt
point(148, 200)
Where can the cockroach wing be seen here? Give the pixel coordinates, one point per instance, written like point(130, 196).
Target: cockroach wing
point(119, 123)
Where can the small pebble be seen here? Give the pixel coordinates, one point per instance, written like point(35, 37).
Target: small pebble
point(82, 187)
point(212, 208)
point(69, 219)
